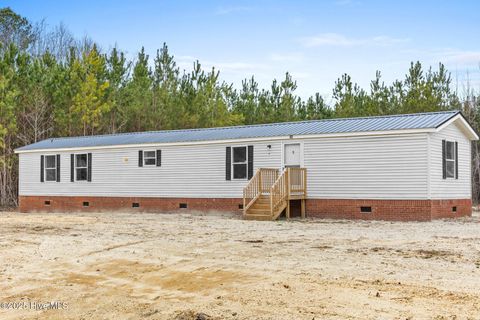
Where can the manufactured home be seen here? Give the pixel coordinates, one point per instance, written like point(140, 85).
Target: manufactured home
point(399, 167)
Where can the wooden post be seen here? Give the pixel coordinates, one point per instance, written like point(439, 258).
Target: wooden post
point(287, 181)
point(305, 183)
point(303, 209)
point(244, 204)
point(304, 193)
point(260, 181)
point(271, 200)
point(287, 210)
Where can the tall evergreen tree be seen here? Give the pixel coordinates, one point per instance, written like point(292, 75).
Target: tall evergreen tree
point(9, 92)
point(117, 75)
point(139, 95)
point(15, 30)
point(90, 102)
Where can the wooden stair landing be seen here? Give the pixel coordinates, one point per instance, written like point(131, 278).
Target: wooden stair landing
point(267, 194)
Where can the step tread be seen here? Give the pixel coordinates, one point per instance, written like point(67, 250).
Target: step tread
point(266, 205)
point(259, 212)
point(264, 217)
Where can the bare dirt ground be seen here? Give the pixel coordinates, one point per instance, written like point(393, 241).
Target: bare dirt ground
point(211, 266)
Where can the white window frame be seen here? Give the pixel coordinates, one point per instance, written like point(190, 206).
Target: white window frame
point(45, 167)
point(145, 158)
point(447, 160)
point(77, 167)
point(243, 162)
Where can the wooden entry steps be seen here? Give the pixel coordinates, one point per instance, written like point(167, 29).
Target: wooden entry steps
point(260, 209)
point(268, 194)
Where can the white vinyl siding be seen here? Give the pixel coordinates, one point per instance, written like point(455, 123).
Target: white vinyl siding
point(356, 167)
point(450, 188)
point(196, 171)
point(376, 167)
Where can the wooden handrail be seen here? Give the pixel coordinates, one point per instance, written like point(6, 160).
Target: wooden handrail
point(297, 182)
point(259, 184)
point(278, 192)
point(267, 179)
point(291, 184)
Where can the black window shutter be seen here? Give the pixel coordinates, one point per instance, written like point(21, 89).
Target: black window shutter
point(72, 167)
point(444, 162)
point(228, 164)
point(58, 168)
point(456, 160)
point(89, 167)
point(42, 171)
point(159, 158)
point(140, 158)
point(250, 162)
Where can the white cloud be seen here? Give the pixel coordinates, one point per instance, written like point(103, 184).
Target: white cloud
point(228, 10)
point(386, 40)
point(339, 40)
point(454, 57)
point(462, 57)
point(327, 39)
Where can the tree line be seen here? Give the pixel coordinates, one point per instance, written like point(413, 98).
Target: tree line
point(53, 84)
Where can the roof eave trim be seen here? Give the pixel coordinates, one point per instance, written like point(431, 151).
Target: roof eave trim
point(203, 142)
point(470, 132)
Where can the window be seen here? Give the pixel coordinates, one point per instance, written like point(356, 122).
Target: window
point(450, 159)
point(239, 163)
point(149, 158)
point(51, 168)
point(81, 167)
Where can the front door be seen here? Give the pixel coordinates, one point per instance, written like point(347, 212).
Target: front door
point(292, 155)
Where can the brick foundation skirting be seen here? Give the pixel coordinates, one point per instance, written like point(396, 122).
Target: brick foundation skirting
point(145, 204)
point(395, 210)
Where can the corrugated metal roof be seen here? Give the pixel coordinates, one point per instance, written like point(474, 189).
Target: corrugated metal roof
point(328, 126)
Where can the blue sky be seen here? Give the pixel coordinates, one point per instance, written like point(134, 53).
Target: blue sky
point(316, 41)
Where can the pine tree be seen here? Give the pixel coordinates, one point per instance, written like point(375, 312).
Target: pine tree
point(90, 102)
point(117, 75)
point(139, 95)
point(9, 92)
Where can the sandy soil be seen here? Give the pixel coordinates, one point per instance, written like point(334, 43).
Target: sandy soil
point(211, 266)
